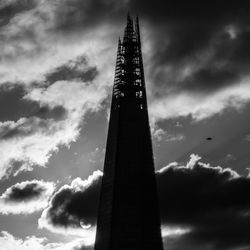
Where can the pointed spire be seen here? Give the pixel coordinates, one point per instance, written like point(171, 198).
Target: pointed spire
point(121, 222)
point(128, 18)
point(129, 21)
point(137, 30)
point(129, 30)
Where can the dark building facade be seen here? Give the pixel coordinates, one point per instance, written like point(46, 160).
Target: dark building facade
point(128, 215)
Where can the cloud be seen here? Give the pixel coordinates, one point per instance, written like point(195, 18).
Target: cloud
point(189, 60)
point(35, 41)
point(8, 241)
point(247, 138)
point(200, 205)
point(31, 140)
point(187, 67)
point(174, 232)
point(9, 8)
point(73, 69)
point(201, 107)
point(210, 201)
point(73, 208)
point(26, 197)
point(62, 76)
point(195, 57)
point(215, 185)
point(159, 134)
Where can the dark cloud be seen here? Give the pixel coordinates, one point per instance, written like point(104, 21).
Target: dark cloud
point(211, 201)
point(74, 69)
point(29, 126)
point(211, 79)
point(22, 117)
point(8, 9)
point(200, 188)
point(25, 191)
point(22, 129)
point(13, 106)
point(26, 197)
point(86, 15)
point(46, 114)
point(56, 113)
point(74, 204)
point(209, 38)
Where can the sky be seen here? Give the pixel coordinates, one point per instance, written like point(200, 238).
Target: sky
point(57, 61)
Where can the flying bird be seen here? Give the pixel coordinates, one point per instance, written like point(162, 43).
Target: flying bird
point(209, 138)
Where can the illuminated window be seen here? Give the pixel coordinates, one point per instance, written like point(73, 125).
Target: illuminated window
point(137, 71)
point(136, 60)
point(138, 94)
point(138, 82)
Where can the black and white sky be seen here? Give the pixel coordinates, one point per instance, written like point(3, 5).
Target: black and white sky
point(57, 62)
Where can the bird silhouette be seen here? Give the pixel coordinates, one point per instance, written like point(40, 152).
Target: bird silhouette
point(209, 138)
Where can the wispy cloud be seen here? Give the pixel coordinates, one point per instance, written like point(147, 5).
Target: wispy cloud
point(31, 141)
point(162, 135)
point(69, 73)
point(46, 53)
point(200, 106)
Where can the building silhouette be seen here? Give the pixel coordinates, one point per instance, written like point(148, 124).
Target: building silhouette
point(128, 215)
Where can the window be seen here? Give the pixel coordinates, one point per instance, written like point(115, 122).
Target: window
point(137, 72)
point(136, 60)
point(122, 59)
point(138, 94)
point(138, 82)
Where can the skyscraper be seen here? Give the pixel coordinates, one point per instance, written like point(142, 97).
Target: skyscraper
point(128, 215)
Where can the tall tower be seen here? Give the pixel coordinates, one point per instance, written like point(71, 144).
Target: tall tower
point(128, 216)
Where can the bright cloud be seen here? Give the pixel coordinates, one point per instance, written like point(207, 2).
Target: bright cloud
point(34, 139)
point(174, 231)
point(201, 106)
point(33, 43)
point(34, 47)
point(8, 241)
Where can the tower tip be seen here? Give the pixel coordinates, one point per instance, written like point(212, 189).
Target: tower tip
point(129, 19)
point(137, 23)
point(129, 30)
point(128, 16)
